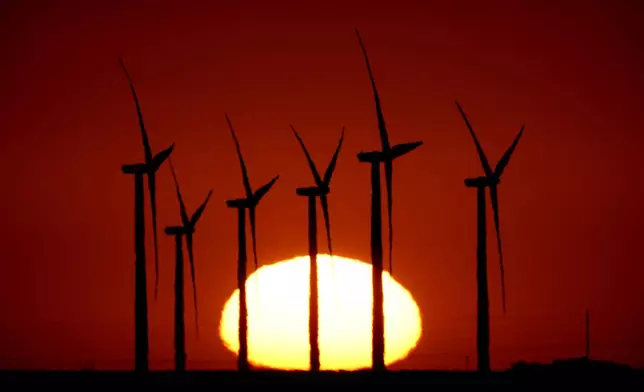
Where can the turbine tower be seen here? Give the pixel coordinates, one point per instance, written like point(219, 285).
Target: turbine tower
point(320, 190)
point(186, 229)
point(386, 156)
point(248, 202)
point(587, 334)
point(148, 168)
point(491, 180)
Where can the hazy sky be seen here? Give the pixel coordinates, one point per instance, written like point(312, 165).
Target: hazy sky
point(571, 199)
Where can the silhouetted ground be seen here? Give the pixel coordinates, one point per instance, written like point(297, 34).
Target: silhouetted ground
point(571, 373)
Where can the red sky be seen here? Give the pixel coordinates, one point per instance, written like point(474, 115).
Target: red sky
point(571, 211)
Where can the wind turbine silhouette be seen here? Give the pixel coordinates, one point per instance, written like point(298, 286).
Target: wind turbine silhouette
point(385, 156)
point(138, 170)
point(250, 202)
point(491, 179)
point(388, 153)
point(186, 229)
point(152, 164)
point(321, 190)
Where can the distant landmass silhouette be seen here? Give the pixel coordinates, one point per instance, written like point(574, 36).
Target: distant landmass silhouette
point(572, 372)
point(573, 365)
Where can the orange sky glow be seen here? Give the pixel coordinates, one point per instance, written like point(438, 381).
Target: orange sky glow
point(571, 200)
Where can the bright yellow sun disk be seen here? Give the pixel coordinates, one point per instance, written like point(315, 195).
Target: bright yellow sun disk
point(278, 322)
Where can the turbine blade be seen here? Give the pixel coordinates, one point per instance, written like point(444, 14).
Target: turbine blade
point(314, 170)
point(327, 224)
point(191, 257)
point(325, 211)
point(494, 195)
point(389, 179)
point(331, 168)
point(505, 159)
point(401, 149)
point(182, 208)
point(247, 187)
point(158, 159)
point(153, 205)
point(251, 216)
point(197, 215)
point(263, 190)
point(479, 149)
point(382, 128)
point(144, 134)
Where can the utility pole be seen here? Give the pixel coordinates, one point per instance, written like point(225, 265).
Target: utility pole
point(587, 334)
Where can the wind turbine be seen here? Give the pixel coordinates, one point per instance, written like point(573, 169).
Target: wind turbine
point(321, 190)
point(249, 202)
point(385, 156)
point(490, 179)
point(138, 170)
point(186, 229)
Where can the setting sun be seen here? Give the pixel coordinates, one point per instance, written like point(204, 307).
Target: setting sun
point(278, 322)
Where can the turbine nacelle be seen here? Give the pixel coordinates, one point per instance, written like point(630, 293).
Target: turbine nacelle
point(177, 230)
point(136, 168)
point(482, 182)
point(237, 203)
point(371, 157)
point(312, 191)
